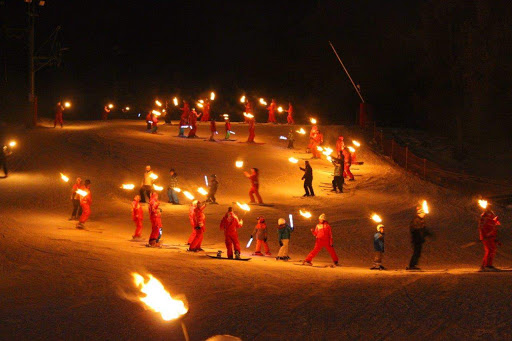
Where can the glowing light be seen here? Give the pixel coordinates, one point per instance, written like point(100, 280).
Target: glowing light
point(376, 218)
point(188, 195)
point(67, 104)
point(263, 102)
point(64, 178)
point(176, 189)
point(111, 106)
point(301, 131)
point(329, 158)
point(305, 214)
point(153, 176)
point(244, 206)
point(157, 102)
point(202, 191)
point(290, 216)
point(175, 101)
point(206, 180)
point(483, 203)
point(312, 120)
point(212, 96)
point(249, 243)
point(280, 109)
point(157, 188)
point(158, 299)
point(242, 99)
point(128, 186)
point(81, 192)
point(239, 164)
point(127, 108)
point(248, 115)
point(352, 149)
point(357, 144)
point(200, 105)
point(12, 144)
point(201, 101)
point(283, 138)
point(319, 148)
point(327, 151)
point(424, 205)
point(156, 112)
point(293, 160)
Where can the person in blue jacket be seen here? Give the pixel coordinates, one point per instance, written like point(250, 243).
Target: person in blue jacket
point(378, 247)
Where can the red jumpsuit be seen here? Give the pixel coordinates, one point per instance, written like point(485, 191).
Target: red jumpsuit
point(248, 109)
point(323, 234)
point(85, 203)
point(191, 218)
point(213, 129)
point(199, 222)
point(488, 230)
point(155, 217)
point(340, 145)
point(206, 112)
point(289, 118)
point(252, 128)
point(230, 224)
point(348, 163)
point(58, 116)
point(154, 125)
point(260, 234)
point(137, 216)
point(272, 112)
point(192, 120)
point(318, 139)
point(106, 111)
point(312, 134)
point(255, 189)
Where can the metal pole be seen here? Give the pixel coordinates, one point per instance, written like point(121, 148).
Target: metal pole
point(346, 71)
point(31, 72)
point(185, 332)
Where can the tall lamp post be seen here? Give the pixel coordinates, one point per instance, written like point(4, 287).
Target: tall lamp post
point(31, 15)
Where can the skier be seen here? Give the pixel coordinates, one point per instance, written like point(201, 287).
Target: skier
point(348, 162)
point(213, 129)
point(137, 216)
point(85, 203)
point(154, 125)
point(312, 135)
point(192, 220)
point(4, 153)
point(323, 234)
point(289, 118)
point(248, 109)
point(291, 139)
point(318, 139)
point(106, 111)
point(146, 186)
point(252, 129)
point(272, 112)
point(75, 200)
point(340, 145)
point(418, 234)
point(156, 220)
point(206, 111)
point(283, 236)
point(487, 228)
point(171, 189)
point(230, 224)
point(378, 246)
point(338, 181)
point(260, 233)
point(192, 121)
point(59, 110)
point(149, 121)
point(227, 126)
point(184, 118)
point(214, 185)
point(255, 185)
point(199, 220)
point(308, 180)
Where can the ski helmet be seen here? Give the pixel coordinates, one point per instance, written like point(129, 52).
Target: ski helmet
point(379, 227)
point(322, 217)
point(281, 221)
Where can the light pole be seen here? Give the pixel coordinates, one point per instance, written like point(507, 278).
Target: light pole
point(31, 15)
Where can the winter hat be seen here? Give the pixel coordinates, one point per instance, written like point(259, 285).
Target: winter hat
point(379, 226)
point(281, 221)
point(322, 216)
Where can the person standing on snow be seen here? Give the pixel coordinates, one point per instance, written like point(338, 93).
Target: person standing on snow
point(75, 199)
point(348, 163)
point(4, 153)
point(338, 181)
point(283, 237)
point(291, 139)
point(213, 129)
point(213, 185)
point(155, 216)
point(154, 125)
point(272, 112)
point(378, 247)
point(308, 180)
point(192, 121)
point(340, 145)
point(312, 136)
point(260, 233)
point(171, 189)
point(289, 118)
point(252, 129)
point(323, 234)
point(230, 225)
point(227, 126)
point(248, 110)
point(59, 111)
point(199, 220)
point(85, 204)
point(149, 121)
point(147, 185)
point(206, 111)
point(255, 185)
point(137, 217)
point(185, 114)
point(488, 230)
point(418, 234)
point(318, 139)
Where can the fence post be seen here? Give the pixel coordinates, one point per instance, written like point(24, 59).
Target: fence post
point(424, 168)
point(392, 148)
point(406, 156)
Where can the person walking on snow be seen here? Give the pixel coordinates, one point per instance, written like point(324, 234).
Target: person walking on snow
point(199, 226)
point(338, 181)
point(230, 225)
point(260, 233)
point(192, 220)
point(488, 230)
point(213, 129)
point(272, 112)
point(59, 111)
point(171, 189)
point(323, 235)
point(289, 118)
point(255, 185)
point(283, 237)
point(418, 233)
point(75, 199)
point(228, 128)
point(348, 162)
point(85, 204)
point(213, 186)
point(147, 185)
point(291, 139)
point(137, 217)
point(378, 247)
point(4, 153)
point(308, 180)
point(155, 216)
point(192, 121)
point(252, 129)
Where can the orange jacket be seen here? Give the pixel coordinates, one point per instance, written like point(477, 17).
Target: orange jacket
point(137, 212)
point(230, 223)
point(323, 232)
point(487, 226)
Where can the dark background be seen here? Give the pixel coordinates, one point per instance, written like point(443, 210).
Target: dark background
point(441, 65)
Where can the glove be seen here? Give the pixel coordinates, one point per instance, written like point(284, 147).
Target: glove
point(280, 243)
point(265, 239)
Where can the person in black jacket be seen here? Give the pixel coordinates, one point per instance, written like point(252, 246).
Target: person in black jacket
point(308, 180)
point(214, 185)
point(418, 234)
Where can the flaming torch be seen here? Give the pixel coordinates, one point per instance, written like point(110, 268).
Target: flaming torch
point(263, 102)
point(156, 112)
point(67, 104)
point(157, 188)
point(244, 207)
point(153, 176)
point(376, 218)
point(312, 120)
point(248, 115)
point(200, 105)
point(483, 203)
point(352, 149)
point(239, 164)
point(175, 101)
point(280, 109)
point(424, 205)
point(355, 143)
point(110, 106)
point(202, 191)
point(212, 96)
point(305, 214)
point(81, 192)
point(242, 99)
point(64, 178)
point(301, 131)
point(293, 160)
point(176, 189)
point(12, 144)
point(188, 195)
point(128, 186)
point(157, 102)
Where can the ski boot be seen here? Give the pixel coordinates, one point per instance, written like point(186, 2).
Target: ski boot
point(257, 253)
point(279, 258)
point(268, 254)
point(307, 263)
point(237, 254)
point(491, 268)
point(381, 267)
point(412, 268)
point(80, 226)
point(219, 254)
point(72, 218)
point(285, 258)
point(375, 267)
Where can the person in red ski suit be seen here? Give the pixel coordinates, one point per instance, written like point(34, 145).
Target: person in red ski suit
point(312, 134)
point(184, 118)
point(318, 139)
point(228, 129)
point(323, 234)
point(248, 110)
point(85, 204)
point(213, 129)
point(106, 111)
point(348, 162)
point(260, 233)
point(487, 228)
point(289, 118)
point(272, 112)
point(154, 125)
point(192, 121)
point(137, 216)
point(198, 219)
point(75, 199)
point(206, 111)
point(230, 225)
point(59, 110)
point(191, 218)
point(252, 129)
point(156, 220)
point(255, 185)
point(340, 145)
